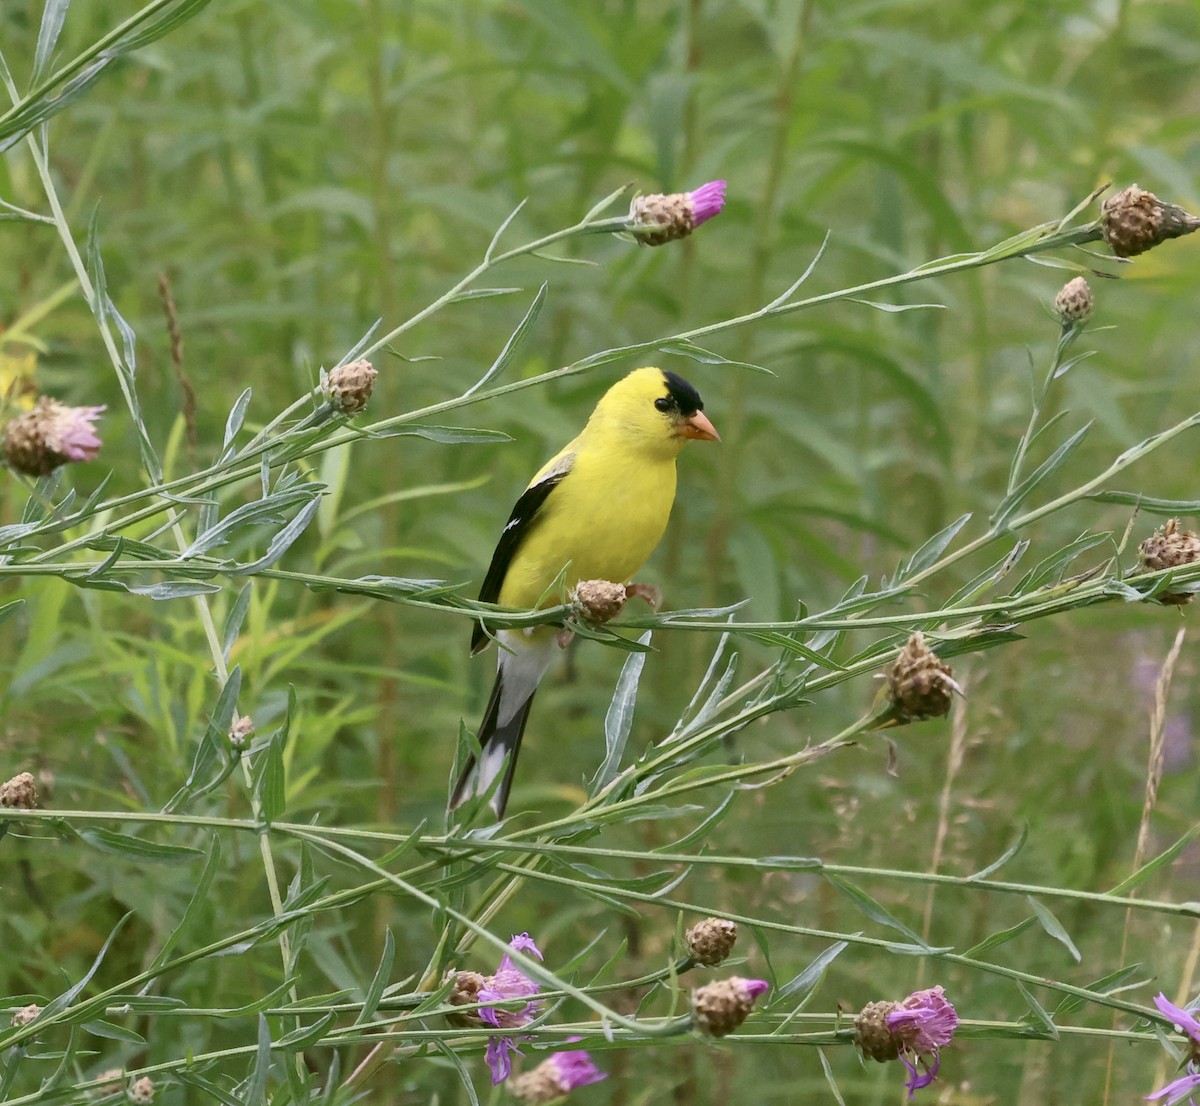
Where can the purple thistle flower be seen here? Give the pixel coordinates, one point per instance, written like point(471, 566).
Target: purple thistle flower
point(1187, 1022)
point(72, 432)
point(921, 1026)
point(1177, 1091)
point(575, 1069)
point(552, 1079)
point(925, 1021)
point(664, 218)
point(1182, 1087)
point(508, 983)
point(52, 434)
point(707, 201)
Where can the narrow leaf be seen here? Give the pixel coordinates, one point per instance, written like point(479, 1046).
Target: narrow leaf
point(618, 721)
point(134, 848)
point(806, 982)
point(1053, 927)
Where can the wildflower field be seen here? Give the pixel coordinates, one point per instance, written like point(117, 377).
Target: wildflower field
point(888, 793)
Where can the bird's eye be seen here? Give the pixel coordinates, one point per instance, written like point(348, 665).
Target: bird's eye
point(663, 403)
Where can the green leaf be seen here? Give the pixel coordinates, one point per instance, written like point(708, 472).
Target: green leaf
point(1008, 506)
point(872, 909)
point(380, 979)
point(53, 17)
point(270, 783)
point(1053, 927)
point(1000, 937)
point(1148, 869)
point(930, 551)
point(134, 848)
point(100, 1028)
point(515, 340)
point(1038, 1014)
point(618, 721)
point(807, 981)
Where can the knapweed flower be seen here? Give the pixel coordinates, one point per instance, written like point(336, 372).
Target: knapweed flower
point(719, 1008)
point(348, 387)
point(555, 1078)
point(920, 684)
point(1134, 221)
point(598, 601)
point(710, 941)
point(1073, 304)
point(19, 792)
point(913, 1031)
point(1189, 1082)
point(26, 1015)
point(50, 435)
point(507, 984)
point(676, 214)
point(1170, 547)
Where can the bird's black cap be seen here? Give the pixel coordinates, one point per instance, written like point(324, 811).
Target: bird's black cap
point(685, 396)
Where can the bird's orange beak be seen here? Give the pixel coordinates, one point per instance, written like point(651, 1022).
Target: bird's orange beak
point(697, 426)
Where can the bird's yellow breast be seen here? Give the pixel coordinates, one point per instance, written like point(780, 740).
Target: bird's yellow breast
point(604, 518)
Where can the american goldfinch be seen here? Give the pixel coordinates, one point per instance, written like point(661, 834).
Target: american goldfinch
point(596, 509)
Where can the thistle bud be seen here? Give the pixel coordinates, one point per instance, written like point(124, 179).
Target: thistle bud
point(141, 1092)
point(711, 941)
point(348, 387)
point(1170, 547)
point(19, 792)
point(872, 1035)
point(465, 992)
point(1073, 304)
point(677, 214)
point(554, 1079)
point(920, 684)
point(598, 601)
point(719, 1008)
point(50, 435)
point(26, 1015)
point(1135, 220)
point(242, 728)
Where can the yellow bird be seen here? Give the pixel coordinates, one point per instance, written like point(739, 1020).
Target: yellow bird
point(597, 508)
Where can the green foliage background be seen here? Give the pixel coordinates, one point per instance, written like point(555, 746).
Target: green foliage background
point(301, 170)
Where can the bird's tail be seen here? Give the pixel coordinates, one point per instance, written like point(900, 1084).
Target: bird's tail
point(499, 745)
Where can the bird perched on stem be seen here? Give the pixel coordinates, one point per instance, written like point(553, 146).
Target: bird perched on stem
point(596, 509)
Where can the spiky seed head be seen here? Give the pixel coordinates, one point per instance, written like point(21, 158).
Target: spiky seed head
point(710, 941)
point(20, 792)
point(1134, 221)
point(1073, 304)
point(719, 1008)
point(598, 601)
point(920, 684)
point(872, 1035)
point(1170, 547)
point(348, 387)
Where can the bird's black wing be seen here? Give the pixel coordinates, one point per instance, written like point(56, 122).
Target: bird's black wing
point(516, 530)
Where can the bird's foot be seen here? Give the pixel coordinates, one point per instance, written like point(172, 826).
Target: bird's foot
point(648, 593)
point(564, 637)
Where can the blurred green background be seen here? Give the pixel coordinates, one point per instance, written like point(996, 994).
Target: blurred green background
point(300, 170)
